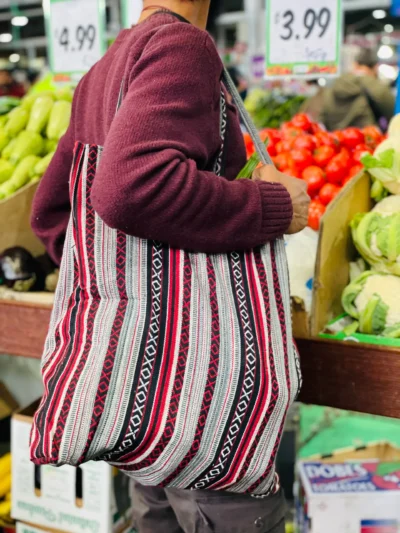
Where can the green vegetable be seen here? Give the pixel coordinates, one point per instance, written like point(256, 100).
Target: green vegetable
point(351, 328)
point(7, 103)
point(378, 192)
point(40, 114)
point(20, 176)
point(372, 299)
point(59, 120)
point(6, 152)
point(64, 93)
point(49, 146)
point(269, 109)
point(4, 140)
point(41, 167)
point(17, 121)
point(6, 170)
point(384, 167)
point(388, 206)
point(27, 101)
point(28, 143)
point(376, 236)
point(250, 166)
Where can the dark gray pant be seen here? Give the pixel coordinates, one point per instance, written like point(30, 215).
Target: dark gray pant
point(156, 510)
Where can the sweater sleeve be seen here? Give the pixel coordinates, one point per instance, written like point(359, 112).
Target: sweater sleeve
point(151, 181)
point(51, 206)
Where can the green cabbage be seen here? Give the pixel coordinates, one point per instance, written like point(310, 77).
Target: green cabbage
point(373, 301)
point(385, 168)
point(376, 236)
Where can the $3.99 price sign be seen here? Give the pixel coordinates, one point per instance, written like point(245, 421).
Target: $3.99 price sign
point(303, 37)
point(75, 33)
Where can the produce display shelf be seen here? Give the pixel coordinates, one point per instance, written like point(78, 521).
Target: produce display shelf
point(356, 377)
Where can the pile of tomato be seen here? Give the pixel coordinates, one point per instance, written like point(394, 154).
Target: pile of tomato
point(326, 161)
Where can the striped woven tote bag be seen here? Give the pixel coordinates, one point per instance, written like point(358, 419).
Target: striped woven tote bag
point(176, 367)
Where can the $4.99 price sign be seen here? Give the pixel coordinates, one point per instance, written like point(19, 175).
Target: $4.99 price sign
point(303, 38)
point(75, 33)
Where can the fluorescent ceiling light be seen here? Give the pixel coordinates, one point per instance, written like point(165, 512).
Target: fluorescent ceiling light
point(385, 52)
point(14, 58)
point(379, 13)
point(388, 28)
point(19, 20)
point(5, 38)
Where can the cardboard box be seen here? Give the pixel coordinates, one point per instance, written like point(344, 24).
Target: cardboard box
point(355, 490)
point(15, 215)
point(336, 251)
point(93, 498)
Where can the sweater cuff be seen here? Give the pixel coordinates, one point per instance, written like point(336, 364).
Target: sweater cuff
point(277, 210)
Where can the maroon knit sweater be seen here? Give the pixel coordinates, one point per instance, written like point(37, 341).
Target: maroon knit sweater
point(153, 180)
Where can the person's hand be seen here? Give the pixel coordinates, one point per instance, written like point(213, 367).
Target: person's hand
point(297, 189)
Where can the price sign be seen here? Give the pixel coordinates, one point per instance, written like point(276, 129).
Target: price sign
point(75, 33)
point(131, 10)
point(303, 38)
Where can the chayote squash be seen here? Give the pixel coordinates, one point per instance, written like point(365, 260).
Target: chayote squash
point(41, 167)
point(40, 114)
point(28, 143)
point(17, 121)
point(6, 152)
point(59, 120)
point(6, 170)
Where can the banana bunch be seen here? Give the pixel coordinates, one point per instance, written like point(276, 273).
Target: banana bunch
point(5, 487)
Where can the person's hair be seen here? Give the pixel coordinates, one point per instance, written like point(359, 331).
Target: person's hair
point(367, 58)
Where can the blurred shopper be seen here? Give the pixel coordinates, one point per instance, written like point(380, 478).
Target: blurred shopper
point(152, 175)
point(313, 104)
point(8, 85)
point(359, 98)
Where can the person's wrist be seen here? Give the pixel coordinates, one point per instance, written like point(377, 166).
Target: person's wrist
point(277, 209)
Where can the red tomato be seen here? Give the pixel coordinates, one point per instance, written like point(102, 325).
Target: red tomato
point(373, 136)
point(290, 171)
point(315, 179)
point(354, 170)
point(302, 159)
point(315, 128)
point(328, 193)
point(360, 150)
point(337, 137)
point(284, 146)
point(302, 121)
point(306, 142)
point(315, 213)
point(344, 155)
point(265, 135)
point(326, 139)
point(336, 170)
point(323, 155)
point(283, 161)
point(290, 132)
point(248, 144)
point(352, 137)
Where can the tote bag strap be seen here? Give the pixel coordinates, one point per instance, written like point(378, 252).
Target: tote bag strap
point(247, 121)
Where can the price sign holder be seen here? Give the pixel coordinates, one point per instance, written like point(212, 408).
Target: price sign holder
point(303, 38)
point(75, 34)
point(131, 10)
